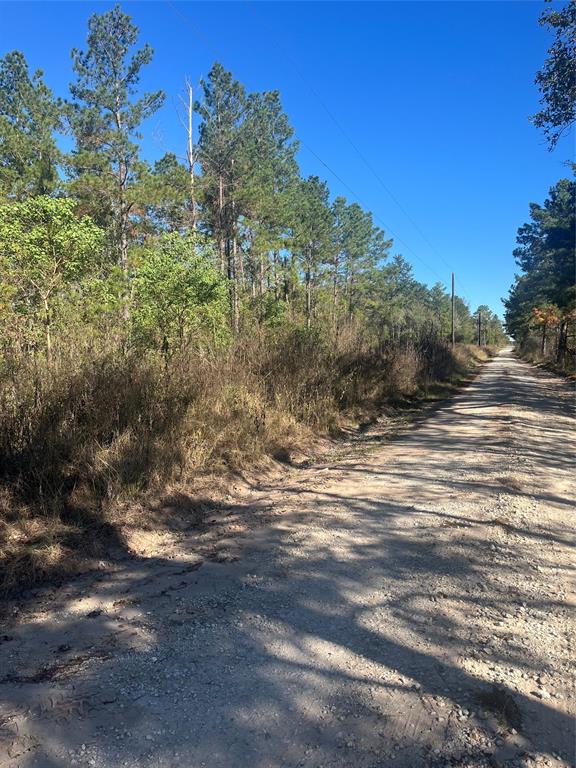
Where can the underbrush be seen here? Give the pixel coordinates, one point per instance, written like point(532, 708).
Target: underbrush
point(95, 434)
point(531, 351)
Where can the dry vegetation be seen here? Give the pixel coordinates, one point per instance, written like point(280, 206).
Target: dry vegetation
point(87, 437)
point(166, 322)
point(531, 350)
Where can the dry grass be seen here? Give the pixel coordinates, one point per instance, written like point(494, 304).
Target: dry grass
point(97, 434)
point(531, 351)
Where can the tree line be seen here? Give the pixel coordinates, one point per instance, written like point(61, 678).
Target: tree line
point(541, 306)
point(166, 321)
point(192, 250)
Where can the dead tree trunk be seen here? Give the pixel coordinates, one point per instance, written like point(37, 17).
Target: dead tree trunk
point(190, 159)
point(221, 238)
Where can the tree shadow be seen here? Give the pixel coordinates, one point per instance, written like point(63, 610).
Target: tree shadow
point(215, 663)
point(351, 630)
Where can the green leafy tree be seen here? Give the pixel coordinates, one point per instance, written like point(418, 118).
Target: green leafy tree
point(29, 117)
point(557, 78)
point(46, 251)
point(179, 297)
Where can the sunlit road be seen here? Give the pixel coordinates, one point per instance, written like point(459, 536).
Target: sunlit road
point(406, 606)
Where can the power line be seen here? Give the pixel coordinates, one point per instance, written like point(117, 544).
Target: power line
point(376, 216)
point(360, 154)
point(200, 35)
point(206, 41)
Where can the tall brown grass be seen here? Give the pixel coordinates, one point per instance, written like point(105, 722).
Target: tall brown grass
point(87, 435)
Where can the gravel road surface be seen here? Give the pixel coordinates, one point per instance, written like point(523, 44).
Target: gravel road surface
point(405, 604)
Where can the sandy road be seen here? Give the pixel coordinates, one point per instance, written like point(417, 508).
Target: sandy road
point(406, 606)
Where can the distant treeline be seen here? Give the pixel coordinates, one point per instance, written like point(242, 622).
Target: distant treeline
point(186, 251)
point(541, 307)
point(164, 321)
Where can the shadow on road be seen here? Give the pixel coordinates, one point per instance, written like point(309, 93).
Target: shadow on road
point(335, 638)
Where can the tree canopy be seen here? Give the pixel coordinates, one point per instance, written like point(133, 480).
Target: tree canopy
point(226, 238)
point(557, 78)
point(545, 287)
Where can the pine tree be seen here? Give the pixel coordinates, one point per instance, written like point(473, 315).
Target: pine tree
point(268, 169)
point(222, 110)
point(557, 78)
point(546, 255)
point(29, 117)
point(105, 119)
point(312, 235)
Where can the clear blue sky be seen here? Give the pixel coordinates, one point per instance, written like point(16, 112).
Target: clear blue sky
point(436, 95)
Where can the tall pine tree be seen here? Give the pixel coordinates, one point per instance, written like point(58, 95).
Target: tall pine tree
point(105, 118)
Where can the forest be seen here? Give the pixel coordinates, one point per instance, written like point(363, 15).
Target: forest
point(541, 306)
point(268, 497)
point(189, 315)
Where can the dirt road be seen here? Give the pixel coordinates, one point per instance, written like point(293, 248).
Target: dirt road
point(405, 606)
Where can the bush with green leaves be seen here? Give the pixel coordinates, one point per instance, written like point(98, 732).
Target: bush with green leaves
point(179, 299)
point(46, 251)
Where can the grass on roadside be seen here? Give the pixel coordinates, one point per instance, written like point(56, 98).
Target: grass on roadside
point(88, 441)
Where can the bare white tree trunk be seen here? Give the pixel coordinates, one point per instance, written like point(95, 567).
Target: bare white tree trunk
point(189, 105)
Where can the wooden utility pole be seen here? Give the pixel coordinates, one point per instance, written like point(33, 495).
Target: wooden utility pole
point(479, 327)
point(453, 334)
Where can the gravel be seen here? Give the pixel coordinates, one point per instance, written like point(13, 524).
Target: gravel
point(404, 606)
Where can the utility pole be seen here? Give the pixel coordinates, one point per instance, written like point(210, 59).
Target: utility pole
point(453, 335)
point(479, 327)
